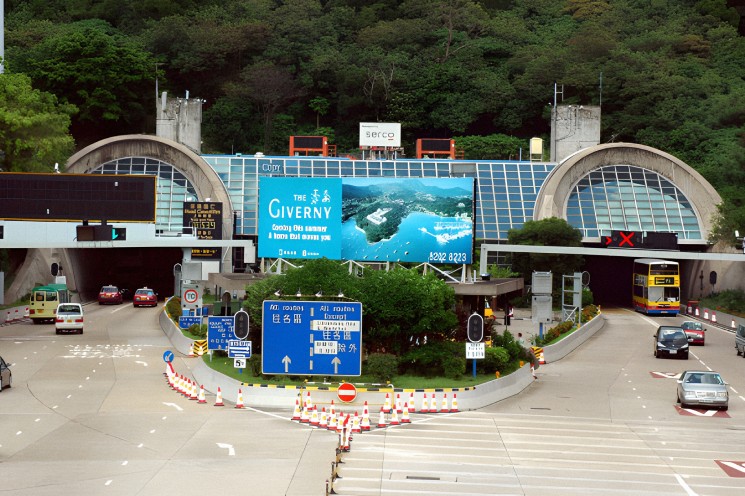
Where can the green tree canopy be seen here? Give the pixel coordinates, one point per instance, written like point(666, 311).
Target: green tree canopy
point(33, 127)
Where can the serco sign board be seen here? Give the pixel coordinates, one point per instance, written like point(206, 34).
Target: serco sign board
point(312, 338)
point(380, 134)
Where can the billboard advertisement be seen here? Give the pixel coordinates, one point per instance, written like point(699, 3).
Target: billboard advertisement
point(384, 134)
point(299, 217)
point(376, 219)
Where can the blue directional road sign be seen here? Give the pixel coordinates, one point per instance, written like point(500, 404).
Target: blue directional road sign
point(219, 332)
point(312, 338)
point(168, 356)
point(238, 348)
point(186, 321)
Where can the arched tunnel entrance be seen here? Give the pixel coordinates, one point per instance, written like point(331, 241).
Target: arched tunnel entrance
point(610, 280)
point(127, 268)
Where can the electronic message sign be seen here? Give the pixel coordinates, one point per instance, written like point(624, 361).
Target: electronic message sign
point(375, 219)
point(205, 218)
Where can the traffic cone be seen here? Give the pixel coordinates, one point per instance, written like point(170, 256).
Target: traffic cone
point(239, 401)
point(191, 350)
point(305, 416)
point(365, 422)
point(405, 415)
point(308, 401)
point(340, 423)
point(454, 404)
point(425, 405)
point(399, 407)
point(433, 404)
point(346, 434)
point(714, 317)
point(412, 406)
point(314, 421)
point(218, 398)
point(324, 423)
point(356, 428)
point(394, 418)
point(381, 418)
point(296, 412)
point(387, 404)
point(171, 380)
point(444, 408)
point(168, 370)
point(194, 395)
point(332, 409)
point(706, 314)
point(200, 397)
point(332, 425)
point(733, 324)
point(696, 311)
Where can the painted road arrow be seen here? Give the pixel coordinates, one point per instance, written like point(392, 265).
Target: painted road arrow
point(229, 447)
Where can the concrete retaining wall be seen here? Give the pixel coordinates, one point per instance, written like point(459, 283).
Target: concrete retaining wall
point(559, 350)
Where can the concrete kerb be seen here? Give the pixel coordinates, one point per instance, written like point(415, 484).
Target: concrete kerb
point(559, 350)
point(284, 397)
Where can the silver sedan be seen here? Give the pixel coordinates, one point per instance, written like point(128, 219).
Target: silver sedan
point(702, 388)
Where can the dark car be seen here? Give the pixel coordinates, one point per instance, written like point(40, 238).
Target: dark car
point(145, 297)
point(110, 294)
point(6, 376)
point(671, 341)
point(695, 330)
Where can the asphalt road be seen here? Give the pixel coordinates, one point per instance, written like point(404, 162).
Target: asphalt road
point(92, 414)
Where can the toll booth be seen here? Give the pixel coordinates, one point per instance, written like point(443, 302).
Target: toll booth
point(435, 148)
point(310, 145)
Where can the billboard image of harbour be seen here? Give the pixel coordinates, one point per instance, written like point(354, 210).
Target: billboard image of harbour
point(407, 220)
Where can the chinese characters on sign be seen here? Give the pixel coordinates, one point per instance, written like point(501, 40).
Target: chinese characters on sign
point(205, 218)
point(312, 338)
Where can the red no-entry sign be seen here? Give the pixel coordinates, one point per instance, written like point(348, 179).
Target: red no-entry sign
point(346, 392)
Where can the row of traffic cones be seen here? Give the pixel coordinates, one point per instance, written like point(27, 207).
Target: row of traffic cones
point(425, 407)
point(190, 390)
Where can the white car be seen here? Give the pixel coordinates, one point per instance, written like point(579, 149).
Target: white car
point(69, 317)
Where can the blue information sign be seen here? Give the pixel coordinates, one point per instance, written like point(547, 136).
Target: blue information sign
point(186, 321)
point(312, 338)
point(168, 356)
point(219, 332)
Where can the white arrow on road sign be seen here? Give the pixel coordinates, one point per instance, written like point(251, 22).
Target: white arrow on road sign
point(336, 363)
point(286, 360)
point(229, 447)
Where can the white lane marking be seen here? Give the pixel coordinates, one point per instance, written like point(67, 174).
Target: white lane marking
point(152, 431)
point(742, 398)
point(118, 309)
point(19, 433)
point(143, 363)
point(124, 463)
point(108, 482)
point(229, 447)
point(734, 390)
point(37, 420)
point(685, 486)
point(140, 445)
point(174, 405)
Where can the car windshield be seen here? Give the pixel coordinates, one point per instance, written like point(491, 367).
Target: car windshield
point(144, 292)
point(692, 326)
point(109, 289)
point(68, 309)
point(704, 378)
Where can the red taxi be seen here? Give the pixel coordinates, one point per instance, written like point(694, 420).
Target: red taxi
point(145, 297)
point(695, 331)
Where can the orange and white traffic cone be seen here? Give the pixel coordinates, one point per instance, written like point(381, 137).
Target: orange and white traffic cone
point(412, 406)
point(332, 424)
point(399, 406)
point(239, 400)
point(193, 394)
point(314, 420)
point(425, 405)
point(433, 404)
point(218, 398)
point(296, 412)
point(381, 419)
point(305, 416)
point(454, 404)
point(200, 396)
point(387, 403)
point(356, 427)
point(365, 421)
point(324, 422)
point(308, 401)
point(445, 408)
point(394, 417)
point(405, 415)
point(191, 350)
point(714, 317)
point(346, 434)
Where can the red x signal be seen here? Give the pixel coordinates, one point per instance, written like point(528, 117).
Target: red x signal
point(626, 239)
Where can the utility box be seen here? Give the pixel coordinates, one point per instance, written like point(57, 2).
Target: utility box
point(542, 313)
point(542, 283)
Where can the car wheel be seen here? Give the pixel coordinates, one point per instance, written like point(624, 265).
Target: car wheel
point(725, 408)
point(685, 357)
point(677, 398)
point(56, 331)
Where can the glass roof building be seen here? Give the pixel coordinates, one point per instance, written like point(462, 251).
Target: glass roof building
point(614, 187)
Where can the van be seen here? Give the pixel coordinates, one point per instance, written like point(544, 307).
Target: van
point(69, 317)
point(740, 340)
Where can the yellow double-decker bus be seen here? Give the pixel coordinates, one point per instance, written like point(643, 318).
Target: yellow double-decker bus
point(656, 286)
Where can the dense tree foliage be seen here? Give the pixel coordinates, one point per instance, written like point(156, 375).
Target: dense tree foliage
point(33, 127)
point(671, 71)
